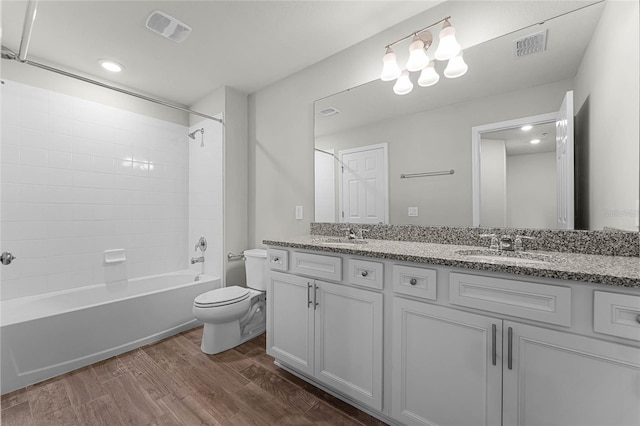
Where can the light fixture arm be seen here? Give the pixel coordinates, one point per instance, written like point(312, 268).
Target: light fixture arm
point(416, 33)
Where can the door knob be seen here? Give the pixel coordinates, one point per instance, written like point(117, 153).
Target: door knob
point(6, 257)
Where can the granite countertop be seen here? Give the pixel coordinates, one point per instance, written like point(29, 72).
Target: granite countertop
point(609, 270)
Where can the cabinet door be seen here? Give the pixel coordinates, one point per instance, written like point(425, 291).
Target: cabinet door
point(290, 320)
point(348, 342)
point(447, 366)
point(559, 378)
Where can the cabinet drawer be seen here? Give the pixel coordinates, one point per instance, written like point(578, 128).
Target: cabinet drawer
point(616, 314)
point(317, 266)
point(365, 273)
point(538, 302)
point(418, 282)
point(278, 260)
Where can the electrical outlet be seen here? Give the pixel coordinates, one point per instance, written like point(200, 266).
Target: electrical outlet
point(413, 211)
point(298, 212)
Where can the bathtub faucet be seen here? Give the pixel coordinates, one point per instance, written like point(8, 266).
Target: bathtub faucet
point(197, 260)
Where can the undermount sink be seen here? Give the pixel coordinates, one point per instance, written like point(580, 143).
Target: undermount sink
point(338, 240)
point(502, 256)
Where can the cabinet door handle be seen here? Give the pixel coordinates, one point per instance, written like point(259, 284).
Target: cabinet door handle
point(494, 353)
point(315, 296)
point(364, 273)
point(413, 281)
point(510, 349)
point(308, 294)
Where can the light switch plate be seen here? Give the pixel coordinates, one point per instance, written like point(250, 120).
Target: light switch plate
point(298, 212)
point(413, 211)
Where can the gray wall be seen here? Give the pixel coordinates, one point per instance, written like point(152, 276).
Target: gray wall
point(281, 115)
point(607, 123)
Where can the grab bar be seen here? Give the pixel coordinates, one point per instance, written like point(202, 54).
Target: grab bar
point(412, 175)
point(232, 256)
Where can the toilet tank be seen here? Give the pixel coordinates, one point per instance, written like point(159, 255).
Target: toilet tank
point(256, 268)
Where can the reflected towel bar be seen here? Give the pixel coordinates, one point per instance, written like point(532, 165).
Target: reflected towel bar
point(232, 256)
point(412, 175)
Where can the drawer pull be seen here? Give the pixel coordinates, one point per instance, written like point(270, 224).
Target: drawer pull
point(494, 353)
point(413, 281)
point(364, 273)
point(308, 295)
point(510, 349)
point(275, 259)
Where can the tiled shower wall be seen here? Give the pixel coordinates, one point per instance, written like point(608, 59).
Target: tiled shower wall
point(79, 178)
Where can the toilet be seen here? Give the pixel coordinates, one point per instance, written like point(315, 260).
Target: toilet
point(232, 315)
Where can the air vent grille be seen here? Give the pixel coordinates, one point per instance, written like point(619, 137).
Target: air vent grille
point(533, 43)
point(167, 26)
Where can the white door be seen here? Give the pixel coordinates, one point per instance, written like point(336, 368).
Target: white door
point(558, 378)
point(365, 189)
point(447, 366)
point(348, 339)
point(290, 318)
point(564, 163)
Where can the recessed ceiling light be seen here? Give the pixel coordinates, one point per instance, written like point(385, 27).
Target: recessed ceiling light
point(110, 65)
point(534, 141)
point(527, 127)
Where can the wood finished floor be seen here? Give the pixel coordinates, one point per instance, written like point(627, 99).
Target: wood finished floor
point(172, 382)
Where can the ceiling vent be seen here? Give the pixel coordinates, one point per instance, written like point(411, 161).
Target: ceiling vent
point(328, 112)
point(533, 43)
point(168, 26)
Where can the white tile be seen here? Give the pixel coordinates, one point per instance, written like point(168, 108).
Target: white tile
point(60, 212)
point(59, 142)
point(34, 99)
point(10, 212)
point(104, 196)
point(84, 212)
point(36, 230)
point(59, 282)
point(34, 120)
point(123, 167)
point(12, 289)
point(10, 133)
point(123, 152)
point(60, 105)
point(140, 169)
point(61, 195)
point(10, 153)
point(33, 138)
point(84, 146)
point(59, 177)
point(9, 173)
point(60, 160)
point(139, 183)
point(33, 156)
point(33, 175)
point(103, 164)
point(103, 148)
point(33, 193)
point(60, 125)
point(122, 182)
point(104, 212)
point(82, 162)
point(122, 211)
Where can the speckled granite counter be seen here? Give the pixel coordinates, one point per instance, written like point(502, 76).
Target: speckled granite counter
point(609, 270)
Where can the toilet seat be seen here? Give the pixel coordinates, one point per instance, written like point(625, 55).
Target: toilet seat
point(221, 297)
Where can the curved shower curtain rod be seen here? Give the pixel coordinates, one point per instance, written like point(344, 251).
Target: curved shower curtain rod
point(21, 57)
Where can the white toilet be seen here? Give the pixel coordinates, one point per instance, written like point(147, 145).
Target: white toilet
point(232, 315)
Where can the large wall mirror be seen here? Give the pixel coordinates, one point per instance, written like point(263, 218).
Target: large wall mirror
point(418, 150)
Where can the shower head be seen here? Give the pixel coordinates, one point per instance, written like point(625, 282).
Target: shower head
point(192, 135)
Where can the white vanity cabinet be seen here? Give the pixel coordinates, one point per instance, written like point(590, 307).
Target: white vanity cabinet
point(452, 367)
point(331, 332)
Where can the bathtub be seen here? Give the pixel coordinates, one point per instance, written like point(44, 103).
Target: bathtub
point(47, 335)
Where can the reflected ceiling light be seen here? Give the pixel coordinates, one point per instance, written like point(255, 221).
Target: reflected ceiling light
point(110, 65)
point(448, 49)
point(526, 128)
point(534, 141)
point(403, 84)
point(456, 67)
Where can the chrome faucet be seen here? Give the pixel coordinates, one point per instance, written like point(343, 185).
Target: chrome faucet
point(197, 260)
point(506, 242)
point(351, 234)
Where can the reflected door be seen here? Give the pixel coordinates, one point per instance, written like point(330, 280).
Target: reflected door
point(364, 190)
point(564, 163)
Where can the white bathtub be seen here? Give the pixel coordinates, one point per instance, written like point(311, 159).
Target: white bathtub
point(44, 336)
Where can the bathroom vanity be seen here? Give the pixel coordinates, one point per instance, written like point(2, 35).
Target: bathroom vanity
point(421, 333)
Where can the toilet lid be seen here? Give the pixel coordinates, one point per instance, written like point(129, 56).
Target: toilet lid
point(221, 296)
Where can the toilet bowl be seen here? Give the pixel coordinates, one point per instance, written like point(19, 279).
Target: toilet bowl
point(233, 314)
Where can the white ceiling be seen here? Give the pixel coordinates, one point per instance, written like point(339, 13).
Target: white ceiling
point(246, 45)
point(517, 141)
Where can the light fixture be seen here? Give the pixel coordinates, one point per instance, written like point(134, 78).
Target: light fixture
point(403, 84)
point(448, 46)
point(110, 65)
point(390, 68)
point(419, 60)
point(456, 67)
point(534, 141)
point(428, 76)
point(526, 127)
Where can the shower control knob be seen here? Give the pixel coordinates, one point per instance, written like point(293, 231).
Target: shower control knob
point(6, 257)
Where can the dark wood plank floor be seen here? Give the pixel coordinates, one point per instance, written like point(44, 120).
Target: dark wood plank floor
point(173, 383)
